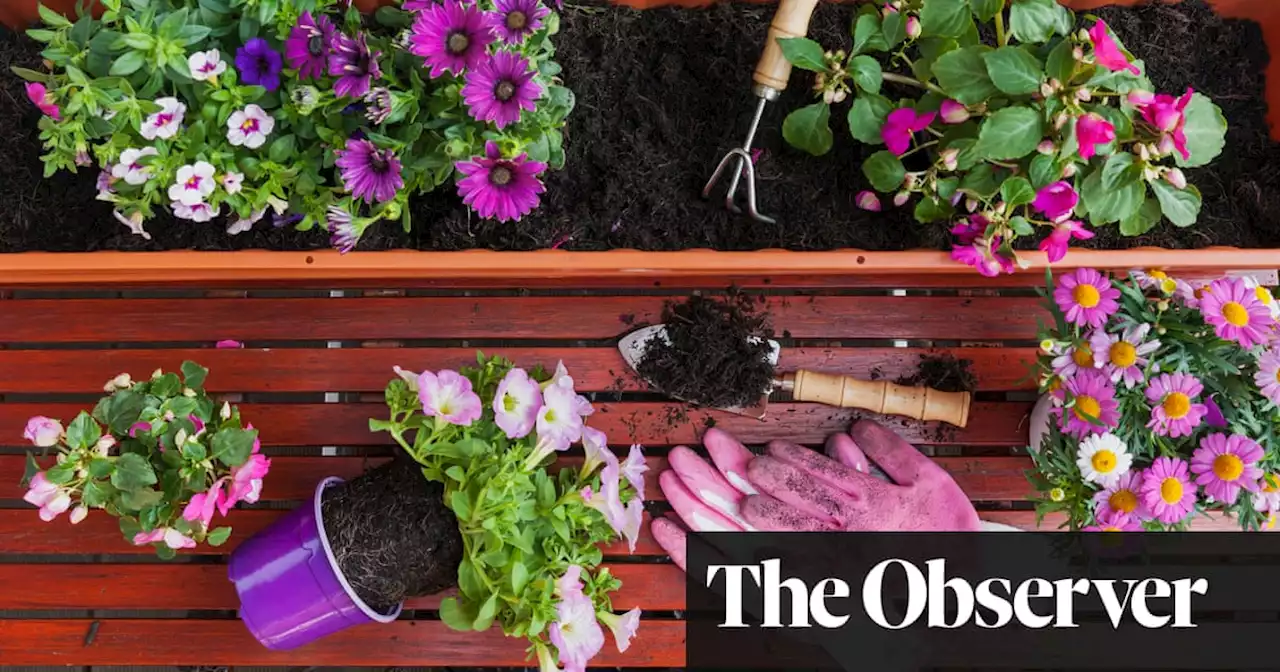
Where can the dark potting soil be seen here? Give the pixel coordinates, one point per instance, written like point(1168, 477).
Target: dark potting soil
point(661, 95)
point(711, 359)
point(942, 372)
point(392, 535)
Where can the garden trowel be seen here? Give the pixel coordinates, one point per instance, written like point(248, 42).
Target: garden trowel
point(880, 396)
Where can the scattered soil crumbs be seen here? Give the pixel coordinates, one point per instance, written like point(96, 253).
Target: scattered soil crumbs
point(711, 359)
point(392, 535)
point(942, 372)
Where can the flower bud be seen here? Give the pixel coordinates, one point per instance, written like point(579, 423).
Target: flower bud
point(841, 94)
point(1143, 152)
point(820, 81)
point(1061, 120)
point(1046, 147)
point(954, 112)
point(1162, 305)
point(180, 438)
point(970, 204)
point(188, 393)
point(1046, 345)
point(1078, 53)
point(168, 416)
point(1175, 177)
point(1083, 94)
point(157, 373)
point(900, 198)
point(839, 55)
point(950, 158)
point(82, 472)
point(1045, 90)
point(1160, 331)
point(62, 457)
point(1083, 36)
point(1138, 97)
point(120, 382)
point(1150, 173)
point(867, 200)
point(1001, 207)
point(1057, 494)
point(104, 445)
point(78, 514)
point(225, 413)
point(955, 198)
point(913, 27)
point(910, 180)
point(1069, 170)
point(828, 97)
point(1166, 146)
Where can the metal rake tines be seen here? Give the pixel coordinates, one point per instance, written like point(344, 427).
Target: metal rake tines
point(745, 164)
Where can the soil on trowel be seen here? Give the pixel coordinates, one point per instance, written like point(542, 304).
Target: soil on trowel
point(717, 352)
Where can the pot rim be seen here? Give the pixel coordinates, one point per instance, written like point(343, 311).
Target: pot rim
point(333, 562)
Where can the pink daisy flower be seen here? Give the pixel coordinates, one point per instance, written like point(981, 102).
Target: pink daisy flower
point(1074, 358)
point(1167, 491)
point(1268, 376)
point(1095, 402)
point(1086, 297)
point(1122, 498)
point(506, 189)
point(1123, 356)
point(451, 37)
point(1225, 464)
point(1267, 498)
point(499, 88)
point(1154, 278)
point(1236, 313)
point(1174, 412)
point(1114, 522)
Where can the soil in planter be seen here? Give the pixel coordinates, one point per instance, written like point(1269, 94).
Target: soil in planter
point(711, 359)
point(392, 535)
point(661, 95)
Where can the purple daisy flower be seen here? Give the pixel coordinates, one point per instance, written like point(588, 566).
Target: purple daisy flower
point(354, 66)
point(499, 88)
point(496, 187)
point(369, 173)
point(515, 20)
point(344, 234)
point(259, 64)
point(308, 46)
point(451, 37)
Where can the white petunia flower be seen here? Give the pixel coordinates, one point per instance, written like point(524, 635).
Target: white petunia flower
point(165, 123)
point(249, 127)
point(199, 212)
point(194, 183)
point(129, 168)
point(206, 65)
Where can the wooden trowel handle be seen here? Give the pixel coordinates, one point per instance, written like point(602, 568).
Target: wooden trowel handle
point(881, 396)
point(791, 20)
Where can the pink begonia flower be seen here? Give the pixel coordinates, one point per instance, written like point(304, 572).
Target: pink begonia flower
point(78, 514)
point(144, 538)
point(607, 500)
point(139, 427)
point(449, 397)
point(899, 127)
point(246, 479)
point(559, 421)
point(984, 258)
point(40, 96)
point(1056, 201)
point(622, 626)
point(576, 633)
point(516, 404)
point(967, 231)
point(633, 469)
point(228, 343)
point(51, 499)
point(1056, 243)
point(1166, 114)
point(43, 432)
point(203, 504)
point(1093, 130)
point(954, 112)
point(867, 200)
point(171, 538)
point(596, 446)
point(1107, 52)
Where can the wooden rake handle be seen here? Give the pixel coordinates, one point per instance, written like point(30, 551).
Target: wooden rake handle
point(881, 396)
point(791, 20)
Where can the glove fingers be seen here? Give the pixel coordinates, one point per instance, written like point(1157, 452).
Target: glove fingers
point(730, 457)
point(838, 475)
point(771, 515)
point(800, 489)
point(899, 459)
point(696, 515)
point(840, 447)
point(707, 484)
point(672, 538)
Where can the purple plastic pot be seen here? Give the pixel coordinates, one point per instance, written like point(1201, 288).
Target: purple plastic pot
point(291, 590)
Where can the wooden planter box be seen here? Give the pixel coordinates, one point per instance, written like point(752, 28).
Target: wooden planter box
point(624, 267)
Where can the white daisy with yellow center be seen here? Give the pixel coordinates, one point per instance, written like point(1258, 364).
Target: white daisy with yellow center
point(1103, 459)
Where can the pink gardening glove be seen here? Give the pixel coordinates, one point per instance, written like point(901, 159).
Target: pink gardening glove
point(793, 489)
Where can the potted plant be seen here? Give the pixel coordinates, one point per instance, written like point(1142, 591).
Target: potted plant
point(1161, 402)
point(520, 541)
point(158, 454)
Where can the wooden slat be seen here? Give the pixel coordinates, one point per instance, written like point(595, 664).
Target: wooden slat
point(295, 478)
point(649, 423)
point(369, 369)
point(227, 642)
point(604, 317)
point(161, 586)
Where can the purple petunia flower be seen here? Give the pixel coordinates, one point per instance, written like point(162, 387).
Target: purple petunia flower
point(503, 188)
point(499, 88)
point(369, 173)
point(515, 20)
point(451, 37)
point(259, 64)
point(308, 46)
point(354, 66)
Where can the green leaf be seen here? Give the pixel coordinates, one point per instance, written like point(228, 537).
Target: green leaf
point(233, 446)
point(867, 34)
point(986, 10)
point(83, 432)
point(137, 500)
point(136, 41)
point(193, 375)
point(866, 118)
point(1180, 206)
point(1033, 20)
point(1110, 205)
point(1044, 170)
point(895, 29)
point(218, 536)
point(963, 75)
point(100, 467)
point(519, 577)
point(1061, 63)
point(96, 494)
point(1142, 220)
point(125, 407)
point(1020, 225)
point(128, 64)
point(453, 616)
point(1014, 70)
point(30, 75)
point(930, 210)
point(194, 451)
point(133, 472)
point(282, 148)
point(1120, 171)
point(561, 529)
point(944, 18)
point(1206, 131)
point(1017, 191)
point(52, 18)
point(460, 503)
point(866, 73)
point(173, 23)
point(803, 53)
point(456, 473)
point(488, 610)
point(469, 580)
point(884, 170)
point(808, 129)
point(981, 181)
point(61, 474)
point(969, 157)
point(1010, 133)
point(166, 385)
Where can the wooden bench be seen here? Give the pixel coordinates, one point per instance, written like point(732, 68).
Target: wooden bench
point(310, 377)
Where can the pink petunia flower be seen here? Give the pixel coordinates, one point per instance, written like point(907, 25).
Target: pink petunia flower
point(1236, 313)
point(559, 422)
point(516, 404)
point(1095, 402)
point(899, 127)
point(1226, 464)
point(1167, 491)
point(596, 446)
point(1114, 522)
point(1086, 297)
point(1107, 52)
point(633, 469)
point(1056, 243)
point(1122, 497)
point(1268, 376)
point(40, 96)
point(1056, 201)
point(42, 432)
point(1174, 412)
point(623, 626)
point(1123, 356)
point(607, 500)
point(576, 633)
point(1092, 131)
point(51, 499)
point(448, 396)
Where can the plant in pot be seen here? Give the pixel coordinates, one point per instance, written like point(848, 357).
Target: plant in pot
point(1015, 123)
point(472, 500)
point(159, 455)
point(304, 108)
point(1160, 402)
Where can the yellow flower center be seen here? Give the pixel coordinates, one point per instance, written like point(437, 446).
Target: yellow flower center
point(1086, 295)
point(1228, 467)
point(1235, 314)
point(1123, 501)
point(1157, 274)
point(1270, 522)
point(1168, 286)
point(1056, 383)
point(1123, 354)
point(1087, 406)
point(1171, 490)
point(1264, 294)
point(1111, 528)
point(1104, 461)
point(1176, 405)
point(1082, 356)
point(1270, 483)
